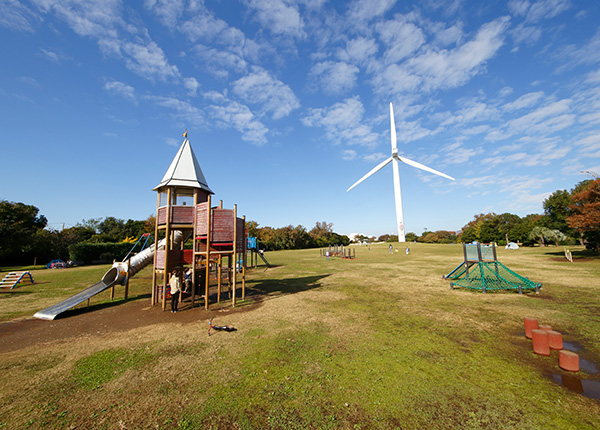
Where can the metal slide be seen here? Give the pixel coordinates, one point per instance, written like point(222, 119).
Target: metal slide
point(264, 259)
point(117, 274)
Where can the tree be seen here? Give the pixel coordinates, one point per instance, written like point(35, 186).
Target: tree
point(472, 231)
point(18, 225)
point(541, 234)
point(383, 238)
point(585, 212)
point(410, 237)
point(556, 211)
point(252, 227)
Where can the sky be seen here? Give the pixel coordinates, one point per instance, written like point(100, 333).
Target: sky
point(286, 103)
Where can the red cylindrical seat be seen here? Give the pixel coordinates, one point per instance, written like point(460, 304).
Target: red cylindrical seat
point(540, 342)
point(530, 324)
point(568, 360)
point(545, 327)
point(555, 340)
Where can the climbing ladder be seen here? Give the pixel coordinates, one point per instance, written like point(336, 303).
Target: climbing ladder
point(13, 278)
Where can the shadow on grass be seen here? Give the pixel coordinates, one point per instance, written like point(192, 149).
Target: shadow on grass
point(82, 309)
point(582, 253)
point(276, 287)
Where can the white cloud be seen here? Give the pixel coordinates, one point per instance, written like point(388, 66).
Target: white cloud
point(534, 11)
point(220, 62)
point(16, 16)
point(231, 114)
point(400, 37)
point(590, 145)
point(192, 85)
point(149, 61)
point(122, 90)
point(449, 69)
point(260, 87)
point(183, 111)
point(342, 123)
point(278, 16)
point(348, 154)
point(361, 11)
point(358, 51)
point(525, 101)
point(93, 18)
point(334, 77)
point(52, 56)
point(169, 11)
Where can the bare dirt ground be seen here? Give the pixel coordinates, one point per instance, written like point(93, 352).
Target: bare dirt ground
point(102, 320)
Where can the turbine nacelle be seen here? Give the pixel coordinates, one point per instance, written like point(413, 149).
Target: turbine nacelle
point(395, 158)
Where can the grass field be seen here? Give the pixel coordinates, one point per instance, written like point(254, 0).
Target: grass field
point(379, 342)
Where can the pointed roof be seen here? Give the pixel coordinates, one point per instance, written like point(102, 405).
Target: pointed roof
point(184, 170)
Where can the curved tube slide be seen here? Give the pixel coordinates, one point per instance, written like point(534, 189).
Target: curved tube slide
point(118, 274)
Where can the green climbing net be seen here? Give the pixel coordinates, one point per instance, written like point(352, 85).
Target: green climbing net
point(490, 276)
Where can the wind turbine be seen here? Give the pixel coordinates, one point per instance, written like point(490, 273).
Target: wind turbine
point(394, 159)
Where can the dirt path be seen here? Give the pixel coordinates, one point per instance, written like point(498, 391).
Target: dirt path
point(102, 320)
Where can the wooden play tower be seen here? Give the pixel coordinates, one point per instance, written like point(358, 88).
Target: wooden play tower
point(184, 214)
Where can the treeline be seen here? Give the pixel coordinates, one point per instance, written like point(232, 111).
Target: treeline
point(25, 239)
point(290, 237)
point(569, 217)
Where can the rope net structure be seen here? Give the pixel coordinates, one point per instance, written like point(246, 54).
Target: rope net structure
point(477, 274)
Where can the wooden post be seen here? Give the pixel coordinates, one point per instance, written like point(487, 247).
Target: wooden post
point(244, 256)
point(167, 249)
point(194, 249)
point(234, 254)
point(207, 281)
point(153, 298)
point(219, 276)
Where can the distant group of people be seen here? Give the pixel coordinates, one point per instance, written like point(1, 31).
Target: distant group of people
point(407, 250)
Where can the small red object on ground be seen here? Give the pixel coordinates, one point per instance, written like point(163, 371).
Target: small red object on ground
point(568, 360)
point(555, 340)
point(530, 324)
point(540, 342)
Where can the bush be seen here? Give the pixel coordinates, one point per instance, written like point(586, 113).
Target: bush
point(87, 252)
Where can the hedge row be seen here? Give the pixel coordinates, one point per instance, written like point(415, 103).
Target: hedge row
point(88, 252)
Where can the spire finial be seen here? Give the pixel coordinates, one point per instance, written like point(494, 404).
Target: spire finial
point(185, 134)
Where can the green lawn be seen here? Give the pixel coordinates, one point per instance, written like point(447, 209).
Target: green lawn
point(379, 342)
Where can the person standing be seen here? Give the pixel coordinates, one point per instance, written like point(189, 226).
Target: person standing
point(175, 284)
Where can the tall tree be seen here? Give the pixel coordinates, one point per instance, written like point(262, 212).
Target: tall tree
point(556, 211)
point(585, 212)
point(18, 225)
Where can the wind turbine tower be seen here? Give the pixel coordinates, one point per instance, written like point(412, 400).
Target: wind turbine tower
point(394, 159)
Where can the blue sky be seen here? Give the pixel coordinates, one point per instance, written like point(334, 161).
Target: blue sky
point(286, 103)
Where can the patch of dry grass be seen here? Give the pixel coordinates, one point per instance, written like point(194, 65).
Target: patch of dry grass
point(376, 342)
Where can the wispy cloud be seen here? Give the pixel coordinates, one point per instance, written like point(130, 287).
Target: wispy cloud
point(333, 77)
point(122, 90)
point(259, 87)
point(231, 114)
point(15, 16)
point(278, 16)
point(343, 123)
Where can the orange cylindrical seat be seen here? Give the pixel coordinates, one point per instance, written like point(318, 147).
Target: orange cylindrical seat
point(530, 324)
point(555, 340)
point(540, 342)
point(568, 360)
point(545, 327)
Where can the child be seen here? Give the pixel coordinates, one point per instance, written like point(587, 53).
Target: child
point(175, 284)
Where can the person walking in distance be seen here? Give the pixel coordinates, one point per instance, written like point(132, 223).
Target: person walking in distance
point(175, 284)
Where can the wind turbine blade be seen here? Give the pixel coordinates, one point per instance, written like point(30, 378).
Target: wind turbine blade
point(398, 201)
point(423, 167)
point(373, 170)
point(393, 130)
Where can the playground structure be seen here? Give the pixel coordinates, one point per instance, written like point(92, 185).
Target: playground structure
point(255, 252)
point(481, 270)
point(11, 280)
point(183, 213)
point(338, 251)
